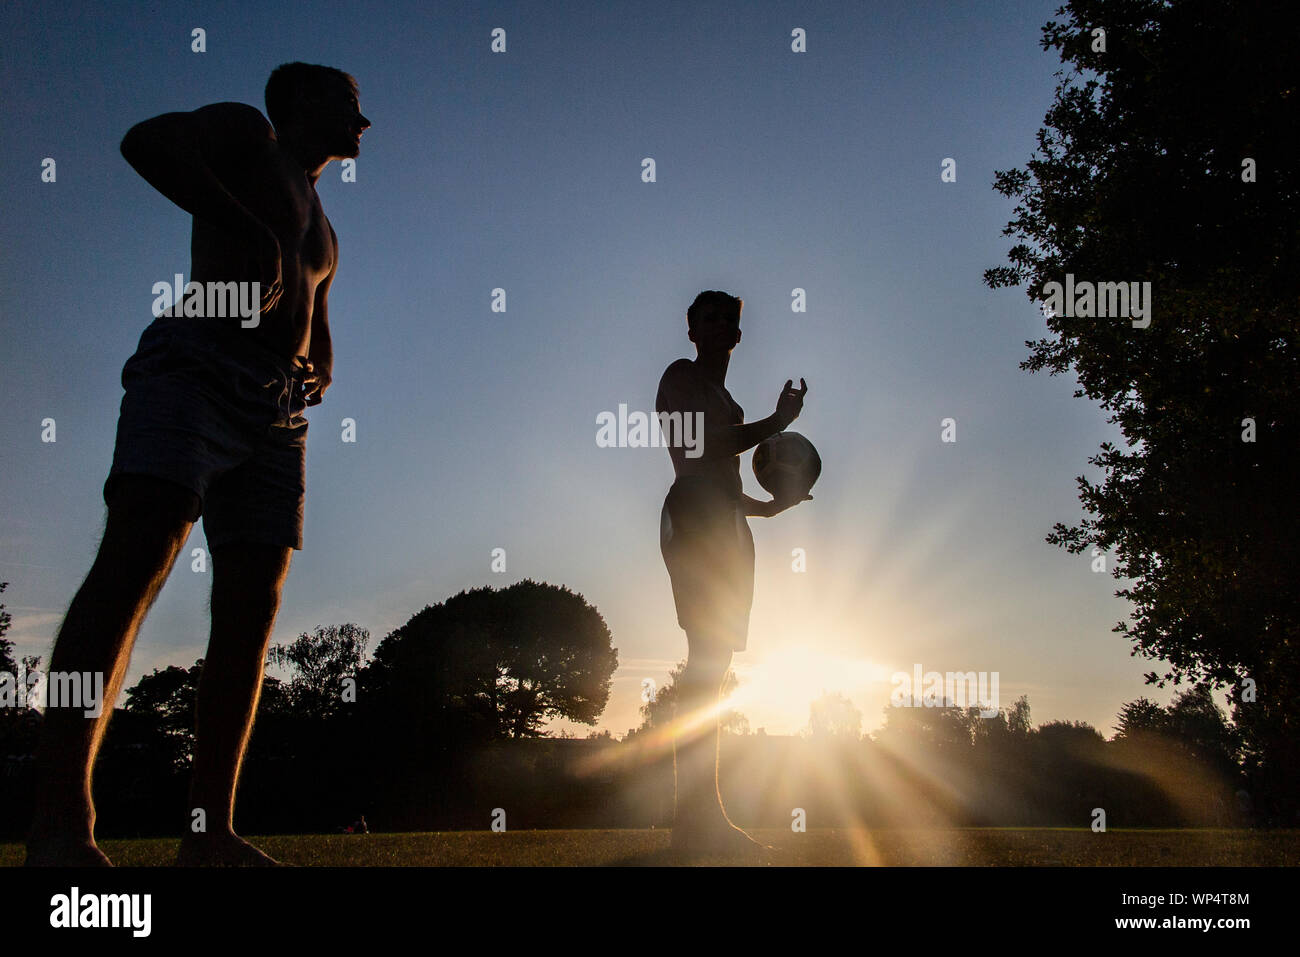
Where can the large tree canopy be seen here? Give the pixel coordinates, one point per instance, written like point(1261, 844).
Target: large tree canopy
point(504, 660)
point(1169, 156)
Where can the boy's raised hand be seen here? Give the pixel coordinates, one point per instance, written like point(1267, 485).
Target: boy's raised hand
point(790, 403)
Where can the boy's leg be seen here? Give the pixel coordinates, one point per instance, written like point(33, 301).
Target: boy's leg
point(148, 522)
point(701, 824)
point(695, 743)
point(253, 517)
point(246, 584)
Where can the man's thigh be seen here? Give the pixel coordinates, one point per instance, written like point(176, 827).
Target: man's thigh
point(148, 520)
point(709, 555)
point(260, 501)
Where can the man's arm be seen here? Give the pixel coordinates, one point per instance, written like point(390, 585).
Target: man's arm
point(734, 439)
point(680, 391)
point(767, 509)
point(175, 153)
point(788, 407)
point(321, 350)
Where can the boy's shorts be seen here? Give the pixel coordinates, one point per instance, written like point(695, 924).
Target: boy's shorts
point(213, 410)
point(709, 551)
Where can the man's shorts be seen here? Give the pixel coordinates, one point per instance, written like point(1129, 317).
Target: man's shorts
point(213, 410)
point(709, 551)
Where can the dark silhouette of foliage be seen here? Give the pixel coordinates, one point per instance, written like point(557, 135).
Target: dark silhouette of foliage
point(325, 666)
point(498, 662)
point(1141, 717)
point(659, 711)
point(1141, 174)
point(7, 663)
point(411, 759)
point(1192, 724)
point(169, 696)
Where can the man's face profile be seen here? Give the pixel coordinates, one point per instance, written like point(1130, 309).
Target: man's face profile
point(333, 115)
point(715, 332)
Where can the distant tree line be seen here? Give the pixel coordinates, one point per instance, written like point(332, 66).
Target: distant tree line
point(446, 722)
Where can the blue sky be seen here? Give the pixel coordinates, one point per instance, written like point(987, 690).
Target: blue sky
point(476, 430)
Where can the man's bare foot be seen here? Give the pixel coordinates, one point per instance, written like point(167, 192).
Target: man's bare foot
point(54, 853)
point(221, 850)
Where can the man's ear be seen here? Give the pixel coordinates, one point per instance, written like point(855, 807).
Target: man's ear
point(737, 337)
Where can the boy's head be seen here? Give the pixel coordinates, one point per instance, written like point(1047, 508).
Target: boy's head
point(713, 321)
point(319, 104)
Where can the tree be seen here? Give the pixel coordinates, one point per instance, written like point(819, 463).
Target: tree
point(1173, 162)
point(1201, 728)
point(940, 729)
point(323, 663)
point(1188, 750)
point(15, 678)
point(834, 716)
point(659, 711)
point(7, 663)
point(1018, 726)
point(1070, 734)
point(169, 697)
point(1141, 717)
point(498, 663)
point(734, 722)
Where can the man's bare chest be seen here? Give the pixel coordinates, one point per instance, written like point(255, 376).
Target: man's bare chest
point(281, 196)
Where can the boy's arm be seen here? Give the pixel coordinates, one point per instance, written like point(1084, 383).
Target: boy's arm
point(767, 509)
point(735, 439)
point(788, 406)
point(176, 152)
point(679, 391)
point(321, 350)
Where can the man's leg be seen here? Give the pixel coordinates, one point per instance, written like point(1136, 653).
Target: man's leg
point(695, 746)
point(246, 583)
point(148, 522)
point(701, 824)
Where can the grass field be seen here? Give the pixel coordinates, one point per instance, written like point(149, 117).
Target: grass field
point(962, 847)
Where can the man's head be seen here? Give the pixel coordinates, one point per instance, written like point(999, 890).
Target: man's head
point(317, 106)
point(713, 322)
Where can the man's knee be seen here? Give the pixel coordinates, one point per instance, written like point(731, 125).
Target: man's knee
point(247, 579)
point(706, 651)
point(707, 662)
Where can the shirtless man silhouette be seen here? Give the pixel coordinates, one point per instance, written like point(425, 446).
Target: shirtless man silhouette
point(211, 424)
point(709, 552)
